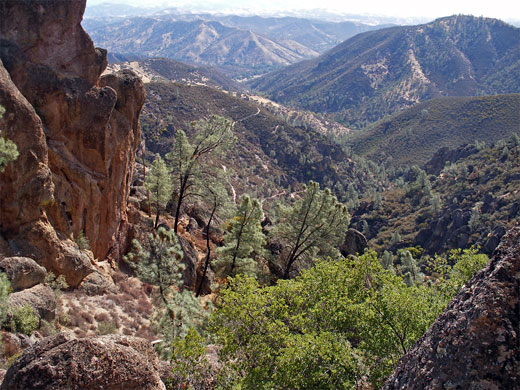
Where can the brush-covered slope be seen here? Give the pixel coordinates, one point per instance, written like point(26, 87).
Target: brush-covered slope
point(156, 69)
point(270, 153)
point(379, 72)
point(478, 200)
point(414, 135)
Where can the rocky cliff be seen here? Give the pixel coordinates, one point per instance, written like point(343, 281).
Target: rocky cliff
point(474, 343)
point(77, 134)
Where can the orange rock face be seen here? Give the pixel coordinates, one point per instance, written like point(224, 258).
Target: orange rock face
point(77, 134)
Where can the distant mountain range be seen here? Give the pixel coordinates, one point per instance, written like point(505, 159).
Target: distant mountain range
point(379, 72)
point(240, 46)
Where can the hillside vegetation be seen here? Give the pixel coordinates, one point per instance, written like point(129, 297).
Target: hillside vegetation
point(268, 150)
point(166, 69)
point(379, 72)
point(473, 200)
point(415, 134)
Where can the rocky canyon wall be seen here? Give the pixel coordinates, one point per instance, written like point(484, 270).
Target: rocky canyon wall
point(77, 134)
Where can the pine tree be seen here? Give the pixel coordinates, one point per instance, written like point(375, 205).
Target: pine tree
point(353, 196)
point(378, 202)
point(8, 149)
point(396, 238)
point(216, 197)
point(474, 220)
point(435, 202)
point(365, 228)
point(387, 260)
point(158, 263)
point(314, 226)
point(242, 238)
point(187, 159)
point(159, 184)
point(409, 269)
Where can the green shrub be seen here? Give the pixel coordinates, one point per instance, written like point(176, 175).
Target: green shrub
point(106, 327)
point(82, 241)
point(24, 320)
point(5, 289)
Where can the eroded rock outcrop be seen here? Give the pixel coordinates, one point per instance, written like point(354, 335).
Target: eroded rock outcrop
point(474, 343)
point(77, 134)
point(63, 362)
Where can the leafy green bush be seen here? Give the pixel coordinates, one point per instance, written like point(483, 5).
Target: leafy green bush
point(106, 327)
point(5, 289)
point(8, 150)
point(190, 367)
point(338, 325)
point(82, 242)
point(24, 320)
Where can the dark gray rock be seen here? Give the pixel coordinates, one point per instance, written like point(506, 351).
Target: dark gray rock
point(97, 284)
point(63, 362)
point(474, 342)
point(40, 297)
point(354, 243)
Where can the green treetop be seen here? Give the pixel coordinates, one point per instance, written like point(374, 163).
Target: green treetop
point(158, 262)
point(158, 182)
point(243, 236)
point(314, 226)
point(187, 160)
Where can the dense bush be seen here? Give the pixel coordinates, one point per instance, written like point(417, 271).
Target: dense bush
point(337, 325)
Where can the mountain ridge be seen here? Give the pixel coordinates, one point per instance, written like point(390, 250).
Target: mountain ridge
point(379, 72)
point(201, 42)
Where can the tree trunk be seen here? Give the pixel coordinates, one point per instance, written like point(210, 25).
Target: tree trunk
point(206, 261)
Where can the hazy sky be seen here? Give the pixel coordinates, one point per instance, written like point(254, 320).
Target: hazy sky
point(503, 9)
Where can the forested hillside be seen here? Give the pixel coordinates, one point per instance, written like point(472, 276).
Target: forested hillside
point(467, 196)
point(413, 136)
point(270, 152)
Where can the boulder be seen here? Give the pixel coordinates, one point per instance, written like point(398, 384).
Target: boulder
point(97, 284)
point(40, 297)
point(11, 344)
point(63, 362)
point(474, 342)
point(355, 243)
point(22, 272)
